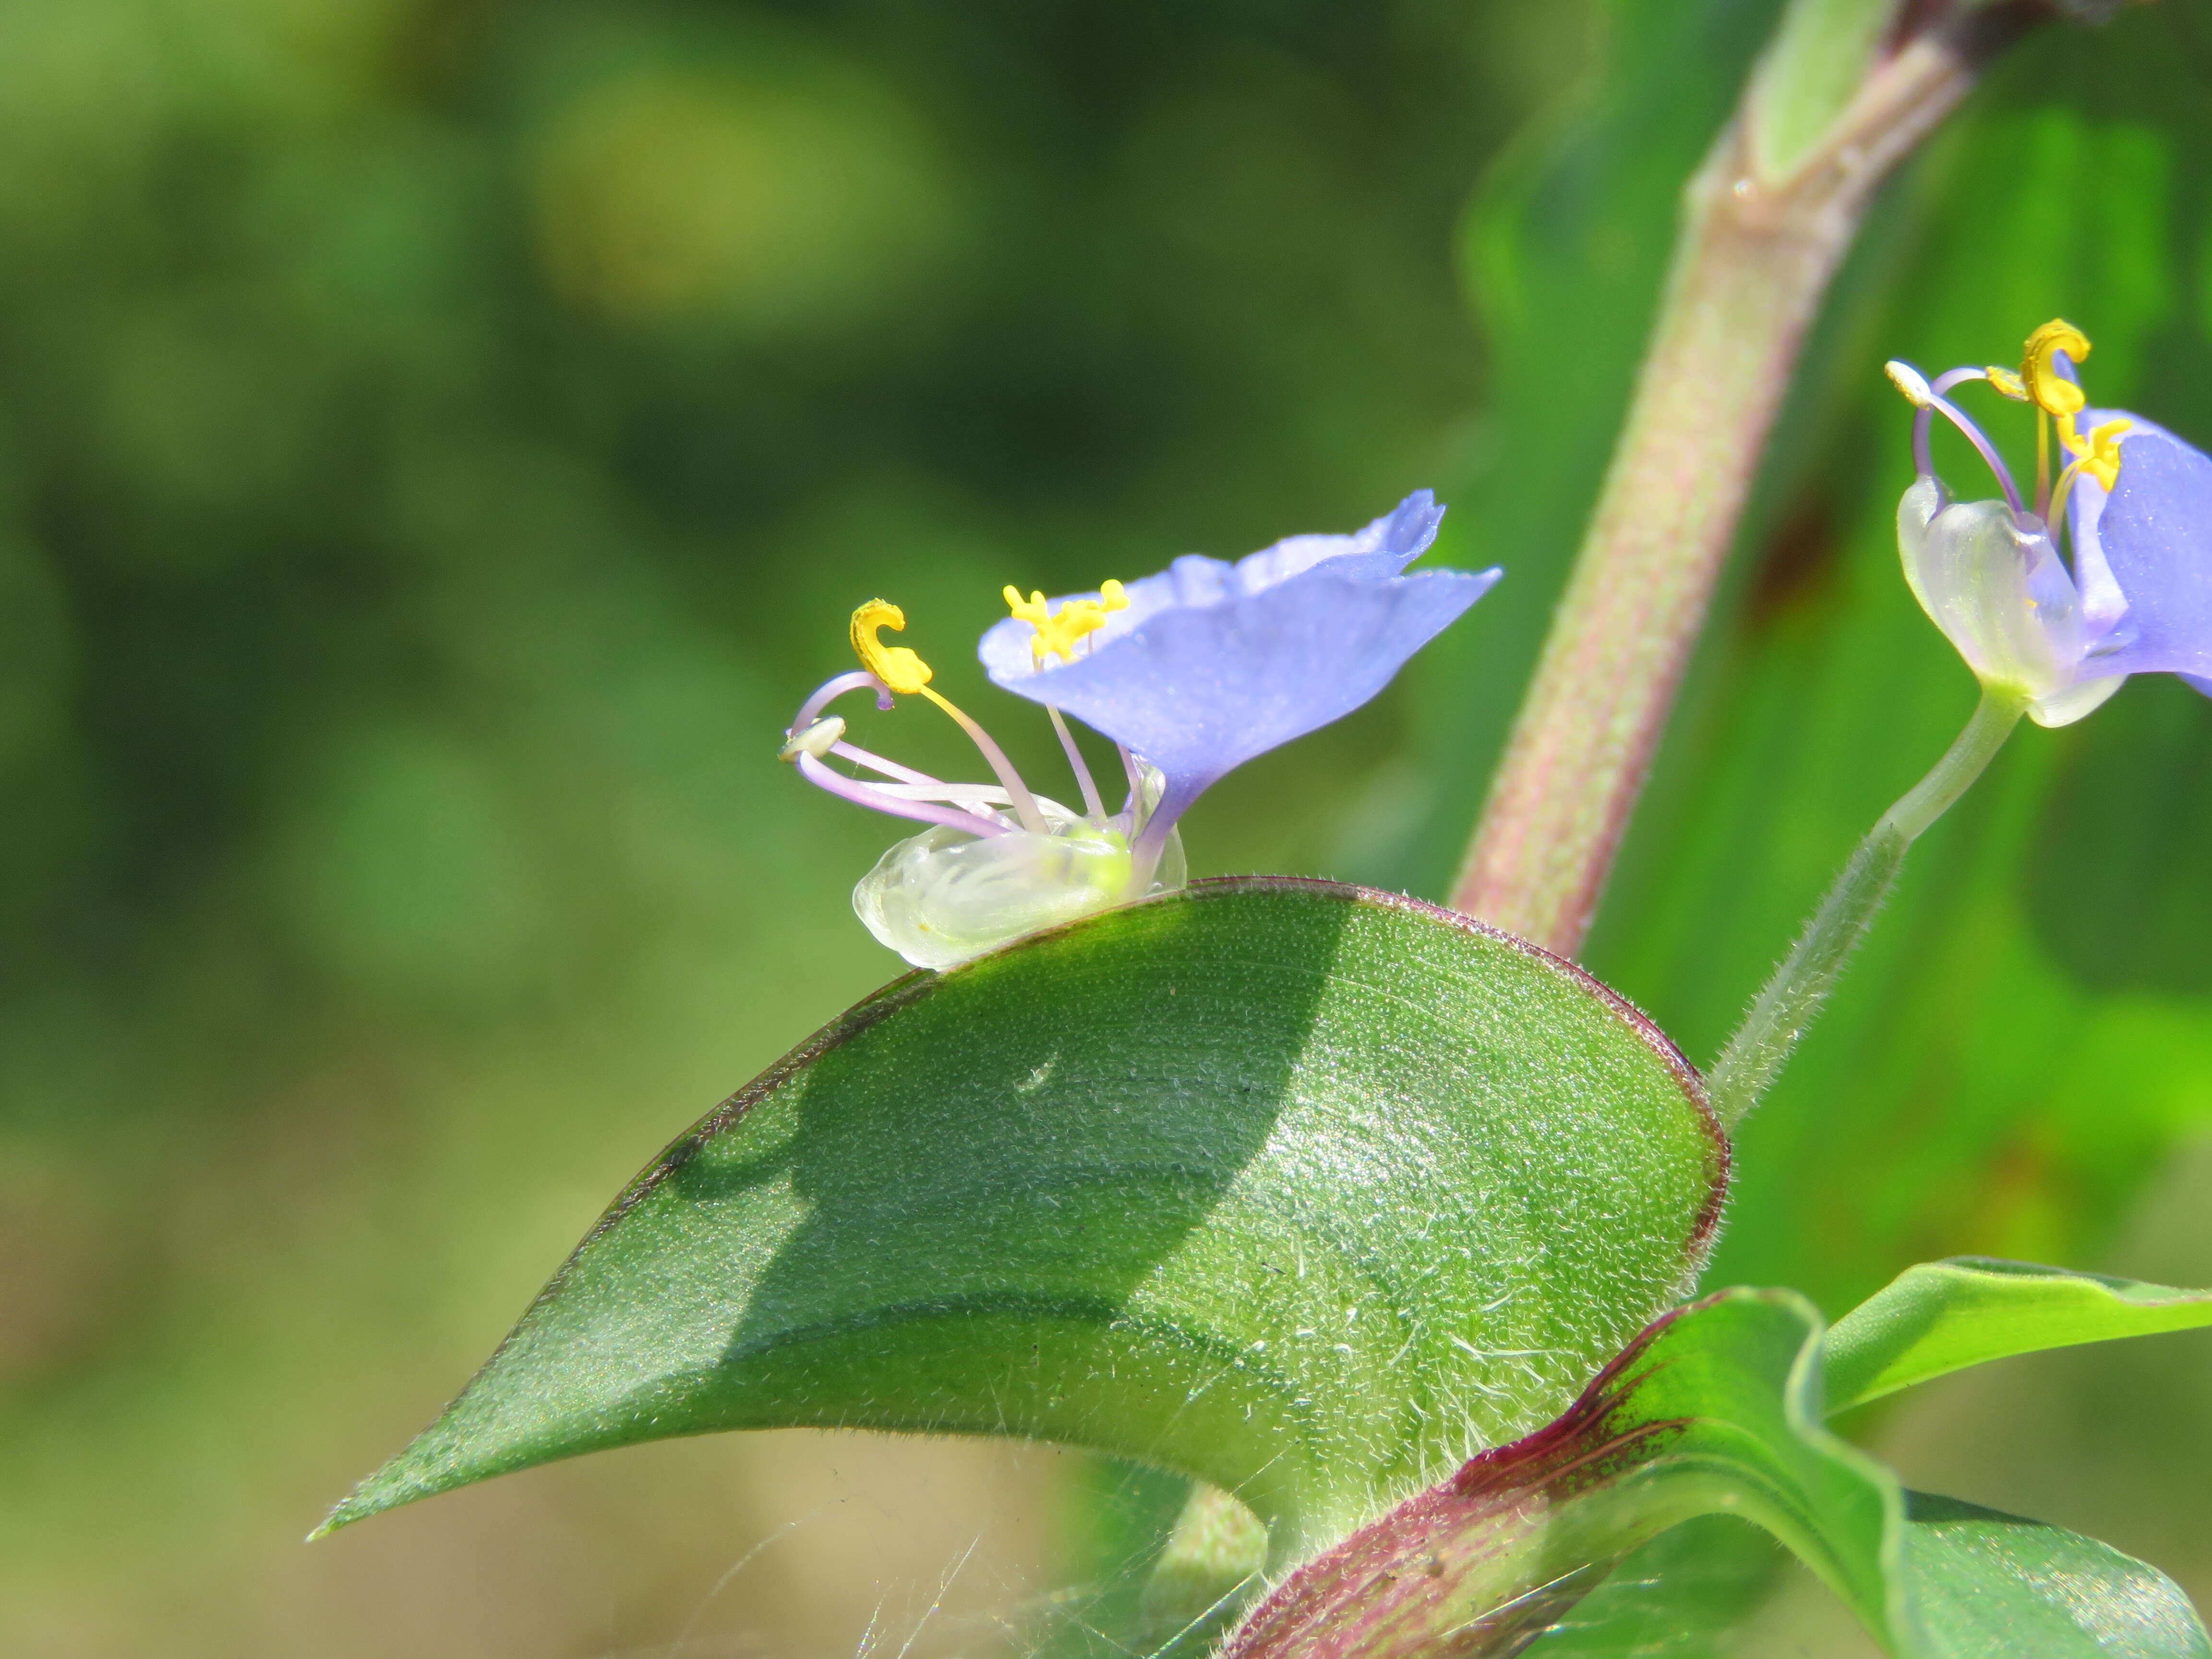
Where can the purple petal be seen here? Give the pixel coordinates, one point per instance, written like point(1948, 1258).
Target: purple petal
point(1213, 664)
point(2151, 541)
point(1200, 689)
point(1383, 549)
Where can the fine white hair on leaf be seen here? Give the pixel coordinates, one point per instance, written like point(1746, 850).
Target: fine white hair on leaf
point(729, 1576)
point(937, 1601)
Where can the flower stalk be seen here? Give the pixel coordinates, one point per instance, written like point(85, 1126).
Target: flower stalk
point(1765, 227)
point(1801, 986)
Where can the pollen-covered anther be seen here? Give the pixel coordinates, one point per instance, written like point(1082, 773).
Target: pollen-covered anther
point(897, 666)
point(2099, 454)
point(1058, 632)
point(2049, 390)
point(1909, 381)
point(2006, 383)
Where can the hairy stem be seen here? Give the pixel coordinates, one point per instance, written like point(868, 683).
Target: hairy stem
point(1755, 256)
point(1794, 997)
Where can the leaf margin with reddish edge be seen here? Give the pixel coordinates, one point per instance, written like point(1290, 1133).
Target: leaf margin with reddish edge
point(1483, 1563)
point(1431, 1036)
point(1390, 1592)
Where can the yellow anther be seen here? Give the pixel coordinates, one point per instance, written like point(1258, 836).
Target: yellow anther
point(2046, 388)
point(2007, 383)
point(898, 668)
point(2099, 454)
point(1057, 633)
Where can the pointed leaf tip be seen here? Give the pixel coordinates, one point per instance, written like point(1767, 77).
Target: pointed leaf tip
point(1303, 1189)
point(1941, 1316)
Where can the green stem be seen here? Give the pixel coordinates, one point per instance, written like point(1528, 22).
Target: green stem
point(1761, 237)
point(1793, 998)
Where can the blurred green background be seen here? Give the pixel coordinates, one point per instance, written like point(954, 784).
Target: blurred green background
point(439, 443)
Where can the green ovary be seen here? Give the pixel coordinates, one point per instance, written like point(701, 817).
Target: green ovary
point(944, 897)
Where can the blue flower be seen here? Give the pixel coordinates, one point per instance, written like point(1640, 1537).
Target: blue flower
point(2136, 502)
point(1192, 672)
point(1207, 664)
point(2142, 555)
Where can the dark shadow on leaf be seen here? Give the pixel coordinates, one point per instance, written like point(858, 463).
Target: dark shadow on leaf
point(1027, 1143)
point(1300, 1188)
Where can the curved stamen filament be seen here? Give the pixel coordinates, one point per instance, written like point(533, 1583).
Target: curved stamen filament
point(898, 669)
point(971, 795)
point(881, 800)
point(919, 785)
point(1935, 401)
point(829, 690)
point(1091, 802)
point(875, 762)
point(2097, 454)
point(2089, 463)
point(1921, 395)
point(2043, 488)
point(1025, 806)
point(911, 792)
point(2060, 490)
point(929, 789)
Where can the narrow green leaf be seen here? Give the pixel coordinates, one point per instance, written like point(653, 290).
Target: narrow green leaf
point(1942, 1317)
point(1713, 1411)
point(1305, 1190)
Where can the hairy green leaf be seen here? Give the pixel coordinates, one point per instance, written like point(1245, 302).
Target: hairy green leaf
point(1303, 1189)
point(1714, 1411)
point(1942, 1317)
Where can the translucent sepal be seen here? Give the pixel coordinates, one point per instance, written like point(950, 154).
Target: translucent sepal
point(1993, 581)
point(943, 898)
